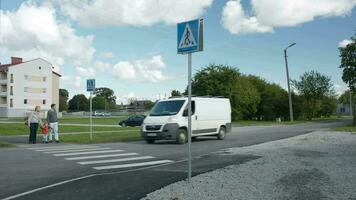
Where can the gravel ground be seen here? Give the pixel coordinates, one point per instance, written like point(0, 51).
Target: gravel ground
point(319, 165)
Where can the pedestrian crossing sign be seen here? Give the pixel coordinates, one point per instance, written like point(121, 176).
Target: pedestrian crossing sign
point(90, 85)
point(190, 36)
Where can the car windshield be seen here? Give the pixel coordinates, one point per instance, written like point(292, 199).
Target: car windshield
point(165, 108)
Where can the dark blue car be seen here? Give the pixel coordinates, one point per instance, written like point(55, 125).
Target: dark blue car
point(134, 120)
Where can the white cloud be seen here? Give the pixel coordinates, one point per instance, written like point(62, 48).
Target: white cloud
point(72, 83)
point(86, 72)
point(344, 43)
point(141, 70)
point(107, 54)
point(281, 13)
point(34, 31)
point(340, 89)
point(102, 66)
point(235, 20)
point(95, 13)
point(125, 99)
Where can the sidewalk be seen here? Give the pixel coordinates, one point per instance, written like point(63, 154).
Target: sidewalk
point(66, 124)
point(23, 139)
point(319, 165)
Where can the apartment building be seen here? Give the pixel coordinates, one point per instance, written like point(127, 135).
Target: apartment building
point(24, 85)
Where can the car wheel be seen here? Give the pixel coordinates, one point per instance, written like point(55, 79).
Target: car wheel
point(194, 138)
point(222, 133)
point(150, 141)
point(123, 124)
point(182, 136)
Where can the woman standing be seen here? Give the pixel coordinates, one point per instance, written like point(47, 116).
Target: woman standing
point(34, 121)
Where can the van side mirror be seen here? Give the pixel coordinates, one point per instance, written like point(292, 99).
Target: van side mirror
point(185, 113)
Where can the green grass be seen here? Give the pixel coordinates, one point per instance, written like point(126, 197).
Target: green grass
point(21, 129)
point(349, 128)
point(264, 123)
point(102, 137)
point(96, 120)
point(6, 144)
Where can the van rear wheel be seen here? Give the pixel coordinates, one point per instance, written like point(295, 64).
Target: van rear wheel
point(222, 133)
point(181, 136)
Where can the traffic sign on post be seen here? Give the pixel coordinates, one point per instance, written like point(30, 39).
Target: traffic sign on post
point(90, 85)
point(190, 40)
point(190, 36)
point(91, 89)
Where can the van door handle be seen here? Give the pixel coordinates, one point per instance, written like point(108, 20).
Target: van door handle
point(196, 117)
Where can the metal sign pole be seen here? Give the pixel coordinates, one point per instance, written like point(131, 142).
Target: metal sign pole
point(189, 40)
point(91, 116)
point(189, 116)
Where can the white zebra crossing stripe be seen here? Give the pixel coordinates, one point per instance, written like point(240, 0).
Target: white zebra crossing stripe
point(76, 150)
point(87, 152)
point(133, 165)
point(115, 160)
point(83, 156)
point(58, 146)
point(102, 156)
point(70, 148)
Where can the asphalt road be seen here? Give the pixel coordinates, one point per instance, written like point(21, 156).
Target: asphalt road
point(24, 169)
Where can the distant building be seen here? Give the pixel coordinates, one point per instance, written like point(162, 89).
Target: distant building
point(343, 109)
point(140, 104)
point(23, 85)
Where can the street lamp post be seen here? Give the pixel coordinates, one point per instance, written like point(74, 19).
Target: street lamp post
point(289, 93)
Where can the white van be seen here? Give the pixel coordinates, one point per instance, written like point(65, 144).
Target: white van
point(168, 119)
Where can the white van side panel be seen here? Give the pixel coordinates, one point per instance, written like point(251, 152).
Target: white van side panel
point(211, 114)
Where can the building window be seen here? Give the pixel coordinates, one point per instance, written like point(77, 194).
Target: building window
point(44, 79)
point(44, 90)
point(39, 67)
point(44, 101)
point(11, 103)
point(26, 77)
point(11, 90)
point(25, 89)
point(11, 78)
point(25, 101)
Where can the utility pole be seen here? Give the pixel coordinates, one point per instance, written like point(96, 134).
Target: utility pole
point(289, 92)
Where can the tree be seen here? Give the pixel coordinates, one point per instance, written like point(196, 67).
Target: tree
point(63, 99)
point(226, 81)
point(108, 94)
point(328, 106)
point(313, 87)
point(148, 105)
point(345, 97)
point(79, 103)
point(348, 65)
point(274, 100)
point(176, 93)
point(98, 103)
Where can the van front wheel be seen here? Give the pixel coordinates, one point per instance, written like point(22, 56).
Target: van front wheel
point(182, 136)
point(222, 133)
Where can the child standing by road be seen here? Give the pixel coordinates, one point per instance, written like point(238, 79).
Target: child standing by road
point(44, 130)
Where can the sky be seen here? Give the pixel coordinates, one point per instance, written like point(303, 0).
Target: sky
point(130, 46)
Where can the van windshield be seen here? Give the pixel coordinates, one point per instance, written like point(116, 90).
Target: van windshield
point(165, 108)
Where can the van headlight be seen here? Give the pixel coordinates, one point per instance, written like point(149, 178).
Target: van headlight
point(172, 119)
